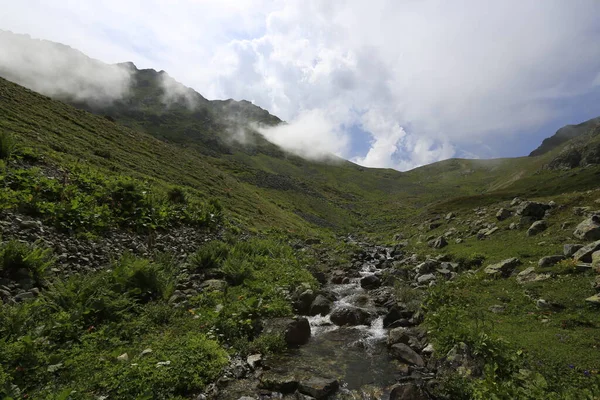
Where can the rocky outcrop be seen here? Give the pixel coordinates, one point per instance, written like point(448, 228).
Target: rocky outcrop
point(536, 228)
point(349, 315)
point(585, 253)
point(319, 388)
point(370, 282)
point(295, 332)
point(503, 214)
point(503, 268)
point(532, 209)
point(588, 229)
point(548, 261)
point(404, 353)
point(321, 305)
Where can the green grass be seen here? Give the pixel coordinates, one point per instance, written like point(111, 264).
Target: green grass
point(68, 339)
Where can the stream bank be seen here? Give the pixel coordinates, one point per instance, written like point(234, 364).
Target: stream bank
point(363, 343)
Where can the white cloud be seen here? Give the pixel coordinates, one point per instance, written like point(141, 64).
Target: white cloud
point(56, 70)
point(438, 75)
point(311, 135)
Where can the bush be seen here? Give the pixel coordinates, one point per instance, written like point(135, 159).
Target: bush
point(176, 195)
point(209, 256)
point(142, 279)
point(7, 145)
point(20, 260)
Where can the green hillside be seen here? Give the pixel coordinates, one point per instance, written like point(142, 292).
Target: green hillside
point(143, 248)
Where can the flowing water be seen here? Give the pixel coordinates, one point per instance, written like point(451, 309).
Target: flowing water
point(356, 355)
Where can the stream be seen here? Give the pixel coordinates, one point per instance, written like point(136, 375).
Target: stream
point(356, 355)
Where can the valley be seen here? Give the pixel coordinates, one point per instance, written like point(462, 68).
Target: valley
point(146, 254)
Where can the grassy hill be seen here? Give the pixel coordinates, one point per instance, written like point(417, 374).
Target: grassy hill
point(139, 169)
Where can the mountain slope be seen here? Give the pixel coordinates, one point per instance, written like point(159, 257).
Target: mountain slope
point(565, 134)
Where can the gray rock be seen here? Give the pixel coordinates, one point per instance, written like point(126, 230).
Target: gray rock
point(294, 331)
point(395, 313)
point(304, 301)
point(570, 249)
point(450, 216)
point(297, 332)
point(438, 243)
point(398, 335)
point(321, 305)
point(319, 388)
point(278, 382)
point(549, 261)
point(503, 268)
point(589, 229)
point(427, 267)
point(536, 228)
point(532, 209)
point(596, 259)
point(585, 253)
point(403, 353)
point(370, 282)
point(425, 279)
point(407, 391)
point(254, 360)
point(503, 214)
point(348, 315)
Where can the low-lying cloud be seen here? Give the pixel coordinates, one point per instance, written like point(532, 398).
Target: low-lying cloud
point(310, 135)
point(59, 71)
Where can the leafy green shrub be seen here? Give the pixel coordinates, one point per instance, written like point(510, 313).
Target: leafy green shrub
point(209, 256)
point(142, 279)
point(20, 260)
point(7, 145)
point(177, 195)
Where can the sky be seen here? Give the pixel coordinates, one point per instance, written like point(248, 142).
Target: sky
point(392, 84)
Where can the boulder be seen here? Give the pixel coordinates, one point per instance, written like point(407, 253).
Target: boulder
point(408, 391)
point(337, 276)
point(503, 268)
point(295, 331)
point(537, 227)
point(319, 388)
point(396, 313)
point(596, 259)
point(425, 279)
point(427, 267)
point(589, 229)
point(304, 301)
point(450, 216)
point(570, 249)
point(278, 382)
point(585, 253)
point(503, 214)
point(321, 305)
point(404, 353)
point(532, 209)
point(549, 261)
point(348, 315)
point(438, 243)
point(398, 335)
point(370, 282)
